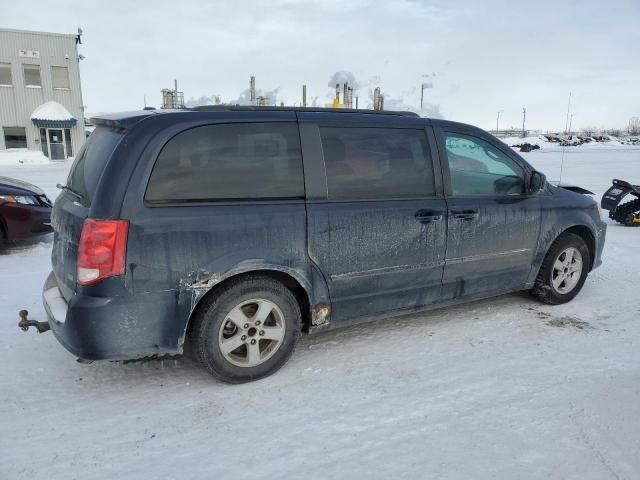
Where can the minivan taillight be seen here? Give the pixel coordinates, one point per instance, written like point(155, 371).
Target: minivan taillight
point(102, 250)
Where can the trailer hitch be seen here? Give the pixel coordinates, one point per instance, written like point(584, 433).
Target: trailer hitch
point(25, 323)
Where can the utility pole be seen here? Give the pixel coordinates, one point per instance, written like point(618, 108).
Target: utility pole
point(524, 116)
point(566, 123)
point(498, 120)
point(570, 122)
point(304, 96)
point(422, 95)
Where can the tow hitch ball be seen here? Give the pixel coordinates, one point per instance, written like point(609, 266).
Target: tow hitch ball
point(25, 323)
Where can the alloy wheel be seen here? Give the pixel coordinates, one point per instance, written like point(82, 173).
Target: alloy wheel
point(567, 270)
point(251, 332)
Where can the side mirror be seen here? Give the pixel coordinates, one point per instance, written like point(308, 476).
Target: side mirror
point(537, 182)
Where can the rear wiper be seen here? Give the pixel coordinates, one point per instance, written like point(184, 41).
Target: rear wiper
point(70, 190)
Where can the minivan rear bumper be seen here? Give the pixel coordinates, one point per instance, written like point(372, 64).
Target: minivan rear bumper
point(114, 328)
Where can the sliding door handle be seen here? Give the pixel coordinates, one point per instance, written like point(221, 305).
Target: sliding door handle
point(465, 214)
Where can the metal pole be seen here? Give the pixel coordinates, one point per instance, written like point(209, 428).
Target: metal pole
point(421, 95)
point(570, 122)
point(304, 95)
point(498, 120)
point(356, 102)
point(524, 116)
point(568, 109)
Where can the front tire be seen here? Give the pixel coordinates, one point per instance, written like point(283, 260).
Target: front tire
point(247, 330)
point(564, 270)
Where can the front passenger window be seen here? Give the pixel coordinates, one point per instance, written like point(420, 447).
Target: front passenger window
point(479, 168)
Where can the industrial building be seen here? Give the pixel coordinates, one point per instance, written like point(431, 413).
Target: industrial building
point(40, 94)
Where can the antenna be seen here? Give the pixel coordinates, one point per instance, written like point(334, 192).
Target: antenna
point(566, 124)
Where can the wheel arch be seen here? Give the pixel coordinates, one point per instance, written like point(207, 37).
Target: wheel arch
point(297, 284)
point(587, 235)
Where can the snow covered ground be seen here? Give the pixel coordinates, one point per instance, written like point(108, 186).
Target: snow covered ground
point(21, 156)
point(506, 388)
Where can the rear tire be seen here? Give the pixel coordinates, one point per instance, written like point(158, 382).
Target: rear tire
point(246, 330)
point(563, 271)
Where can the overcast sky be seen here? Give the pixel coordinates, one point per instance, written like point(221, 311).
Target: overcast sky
point(478, 57)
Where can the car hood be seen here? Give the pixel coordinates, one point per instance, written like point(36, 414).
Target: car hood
point(572, 188)
point(11, 186)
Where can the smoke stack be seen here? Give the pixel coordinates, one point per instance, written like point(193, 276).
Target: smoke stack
point(304, 95)
point(252, 89)
point(376, 98)
point(345, 94)
point(337, 100)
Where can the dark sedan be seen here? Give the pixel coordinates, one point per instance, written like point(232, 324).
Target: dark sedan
point(25, 211)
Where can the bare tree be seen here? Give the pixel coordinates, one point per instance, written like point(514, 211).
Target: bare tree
point(634, 126)
point(590, 131)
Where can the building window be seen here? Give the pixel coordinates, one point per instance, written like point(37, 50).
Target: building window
point(5, 75)
point(15, 137)
point(32, 75)
point(60, 77)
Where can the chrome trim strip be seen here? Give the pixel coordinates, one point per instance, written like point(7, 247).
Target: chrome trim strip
point(485, 256)
point(385, 270)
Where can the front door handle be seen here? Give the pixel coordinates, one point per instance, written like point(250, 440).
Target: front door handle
point(465, 214)
point(427, 216)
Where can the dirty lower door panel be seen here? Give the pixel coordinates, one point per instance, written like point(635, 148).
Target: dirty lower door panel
point(491, 249)
point(377, 256)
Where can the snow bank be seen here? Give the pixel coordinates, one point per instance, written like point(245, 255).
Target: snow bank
point(22, 156)
point(534, 140)
point(51, 111)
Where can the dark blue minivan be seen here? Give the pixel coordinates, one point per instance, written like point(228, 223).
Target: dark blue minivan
point(235, 229)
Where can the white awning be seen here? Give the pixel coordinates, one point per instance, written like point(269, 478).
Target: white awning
point(52, 113)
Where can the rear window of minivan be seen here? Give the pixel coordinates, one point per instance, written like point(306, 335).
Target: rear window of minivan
point(239, 161)
point(90, 162)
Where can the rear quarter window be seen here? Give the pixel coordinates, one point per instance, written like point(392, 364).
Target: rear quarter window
point(229, 162)
point(90, 162)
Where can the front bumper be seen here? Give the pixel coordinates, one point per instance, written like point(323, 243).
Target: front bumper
point(601, 234)
point(114, 328)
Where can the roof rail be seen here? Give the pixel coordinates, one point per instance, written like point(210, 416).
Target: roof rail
point(251, 108)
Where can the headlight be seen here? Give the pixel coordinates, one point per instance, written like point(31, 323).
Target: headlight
point(21, 199)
